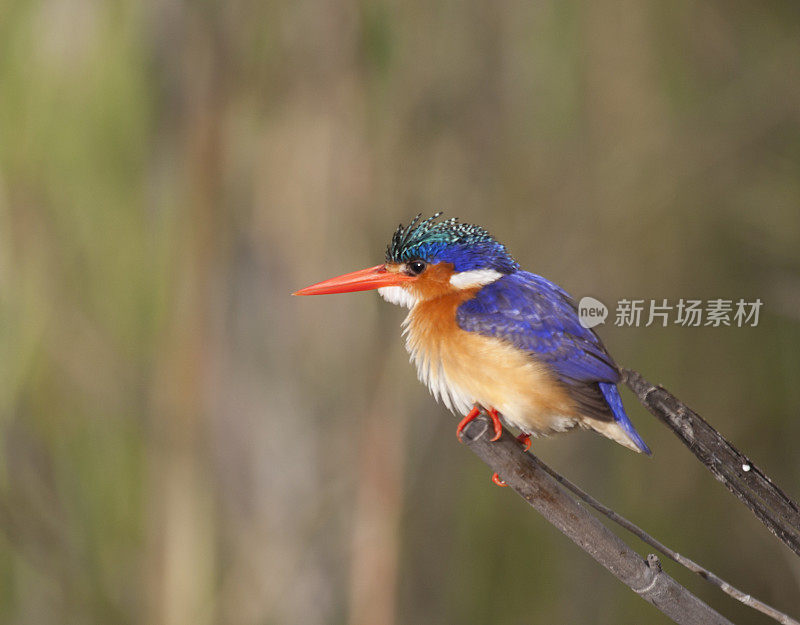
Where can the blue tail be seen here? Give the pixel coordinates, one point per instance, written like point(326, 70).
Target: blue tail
point(611, 394)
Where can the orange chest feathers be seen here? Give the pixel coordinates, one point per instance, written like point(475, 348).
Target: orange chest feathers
point(463, 368)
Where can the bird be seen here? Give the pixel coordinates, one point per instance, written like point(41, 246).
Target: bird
point(487, 336)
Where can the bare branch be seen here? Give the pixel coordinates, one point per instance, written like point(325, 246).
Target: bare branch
point(703, 572)
point(736, 471)
point(522, 472)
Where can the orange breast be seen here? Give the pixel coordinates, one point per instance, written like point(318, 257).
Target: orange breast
point(463, 368)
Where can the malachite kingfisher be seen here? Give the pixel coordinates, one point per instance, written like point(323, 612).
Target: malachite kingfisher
point(484, 334)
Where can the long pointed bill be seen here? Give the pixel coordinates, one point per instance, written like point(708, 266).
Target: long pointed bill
point(364, 280)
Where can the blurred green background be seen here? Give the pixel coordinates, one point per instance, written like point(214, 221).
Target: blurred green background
point(182, 442)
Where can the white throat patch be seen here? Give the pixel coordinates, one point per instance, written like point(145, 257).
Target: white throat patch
point(474, 278)
point(397, 295)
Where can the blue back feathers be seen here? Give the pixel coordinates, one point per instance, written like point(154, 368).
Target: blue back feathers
point(538, 317)
point(466, 246)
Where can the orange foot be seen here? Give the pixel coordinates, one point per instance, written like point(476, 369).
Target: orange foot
point(498, 427)
point(523, 438)
point(496, 479)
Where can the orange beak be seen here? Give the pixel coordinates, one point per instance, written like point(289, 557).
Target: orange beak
point(364, 280)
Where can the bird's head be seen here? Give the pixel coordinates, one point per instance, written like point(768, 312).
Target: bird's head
point(428, 259)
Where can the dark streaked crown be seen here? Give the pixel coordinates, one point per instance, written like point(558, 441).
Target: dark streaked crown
point(467, 246)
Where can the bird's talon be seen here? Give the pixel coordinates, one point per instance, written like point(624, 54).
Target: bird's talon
point(496, 479)
point(467, 419)
point(498, 426)
point(525, 439)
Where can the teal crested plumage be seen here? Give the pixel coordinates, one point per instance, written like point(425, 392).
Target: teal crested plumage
point(466, 246)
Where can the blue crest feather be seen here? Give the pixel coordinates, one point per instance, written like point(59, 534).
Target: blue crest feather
point(466, 246)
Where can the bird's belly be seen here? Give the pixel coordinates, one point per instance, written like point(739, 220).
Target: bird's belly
point(463, 368)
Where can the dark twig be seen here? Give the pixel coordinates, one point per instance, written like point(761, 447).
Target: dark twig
point(720, 583)
point(736, 471)
point(527, 477)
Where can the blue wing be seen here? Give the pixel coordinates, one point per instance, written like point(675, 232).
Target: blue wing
point(539, 317)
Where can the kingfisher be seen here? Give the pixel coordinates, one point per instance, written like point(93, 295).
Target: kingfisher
point(487, 336)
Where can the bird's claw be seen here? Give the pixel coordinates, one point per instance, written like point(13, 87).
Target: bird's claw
point(496, 479)
point(523, 438)
point(498, 426)
point(473, 414)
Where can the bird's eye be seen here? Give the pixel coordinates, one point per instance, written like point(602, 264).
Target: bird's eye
point(416, 267)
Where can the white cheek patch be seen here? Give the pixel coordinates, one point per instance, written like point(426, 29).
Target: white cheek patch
point(397, 295)
point(474, 278)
